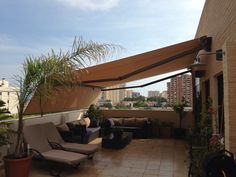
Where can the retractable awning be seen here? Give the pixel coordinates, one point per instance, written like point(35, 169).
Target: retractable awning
point(93, 79)
point(156, 62)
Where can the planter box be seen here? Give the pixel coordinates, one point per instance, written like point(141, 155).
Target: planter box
point(179, 133)
point(166, 131)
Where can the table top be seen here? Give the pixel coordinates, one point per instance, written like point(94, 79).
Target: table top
point(111, 135)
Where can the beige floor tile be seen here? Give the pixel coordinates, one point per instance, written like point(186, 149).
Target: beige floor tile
point(141, 158)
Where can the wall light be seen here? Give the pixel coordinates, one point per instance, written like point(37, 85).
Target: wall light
point(197, 61)
point(197, 65)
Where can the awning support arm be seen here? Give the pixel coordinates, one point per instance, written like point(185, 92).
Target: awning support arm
point(147, 84)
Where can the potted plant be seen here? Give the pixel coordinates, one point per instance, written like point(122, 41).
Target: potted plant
point(155, 123)
point(180, 132)
point(4, 129)
point(95, 115)
point(40, 76)
point(166, 129)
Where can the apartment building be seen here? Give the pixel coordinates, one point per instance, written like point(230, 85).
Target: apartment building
point(115, 96)
point(164, 94)
point(9, 96)
point(152, 93)
point(178, 87)
point(128, 93)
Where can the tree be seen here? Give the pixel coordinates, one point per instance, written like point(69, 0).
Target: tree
point(121, 106)
point(107, 105)
point(4, 130)
point(158, 99)
point(139, 98)
point(179, 109)
point(41, 75)
point(140, 104)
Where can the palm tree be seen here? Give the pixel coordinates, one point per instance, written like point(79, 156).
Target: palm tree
point(41, 74)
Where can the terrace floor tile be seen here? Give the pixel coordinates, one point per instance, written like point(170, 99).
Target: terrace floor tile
point(141, 158)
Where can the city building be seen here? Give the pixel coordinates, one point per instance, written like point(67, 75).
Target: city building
point(164, 94)
point(179, 87)
point(128, 93)
point(9, 96)
point(153, 94)
point(114, 96)
point(136, 94)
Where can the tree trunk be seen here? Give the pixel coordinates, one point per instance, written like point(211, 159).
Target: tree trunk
point(180, 121)
point(19, 141)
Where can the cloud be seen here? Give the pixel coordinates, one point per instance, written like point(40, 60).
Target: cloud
point(91, 5)
point(9, 45)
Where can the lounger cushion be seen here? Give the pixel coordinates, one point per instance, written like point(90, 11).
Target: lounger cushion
point(53, 136)
point(34, 136)
point(81, 148)
point(69, 158)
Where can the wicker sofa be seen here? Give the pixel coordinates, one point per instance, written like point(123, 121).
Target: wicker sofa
point(77, 132)
point(140, 127)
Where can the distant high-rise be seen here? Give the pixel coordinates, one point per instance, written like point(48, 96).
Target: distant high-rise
point(115, 96)
point(136, 94)
point(178, 87)
point(153, 94)
point(164, 94)
point(128, 93)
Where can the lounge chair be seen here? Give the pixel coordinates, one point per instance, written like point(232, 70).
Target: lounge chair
point(57, 142)
point(35, 137)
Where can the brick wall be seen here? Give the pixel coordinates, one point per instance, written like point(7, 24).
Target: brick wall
point(218, 20)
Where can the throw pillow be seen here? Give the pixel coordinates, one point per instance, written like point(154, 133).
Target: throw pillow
point(118, 121)
point(141, 121)
point(111, 121)
point(82, 122)
point(129, 122)
point(87, 121)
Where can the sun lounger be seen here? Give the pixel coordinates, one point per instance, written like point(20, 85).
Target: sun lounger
point(35, 137)
point(56, 141)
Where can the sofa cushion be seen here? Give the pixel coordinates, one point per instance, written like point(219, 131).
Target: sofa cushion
point(63, 127)
point(71, 125)
point(92, 130)
point(129, 122)
point(111, 122)
point(141, 121)
point(118, 121)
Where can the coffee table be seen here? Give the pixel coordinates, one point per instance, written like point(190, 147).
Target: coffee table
point(112, 142)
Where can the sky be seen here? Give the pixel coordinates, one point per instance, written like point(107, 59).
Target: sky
point(33, 28)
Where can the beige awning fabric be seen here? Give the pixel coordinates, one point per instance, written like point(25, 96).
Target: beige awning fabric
point(65, 99)
point(156, 62)
point(92, 79)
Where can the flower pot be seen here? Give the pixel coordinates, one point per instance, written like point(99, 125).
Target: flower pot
point(17, 167)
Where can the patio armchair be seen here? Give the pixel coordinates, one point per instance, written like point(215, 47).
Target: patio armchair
point(39, 146)
point(57, 142)
point(85, 132)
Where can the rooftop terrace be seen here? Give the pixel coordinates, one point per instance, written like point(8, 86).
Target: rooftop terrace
point(141, 158)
